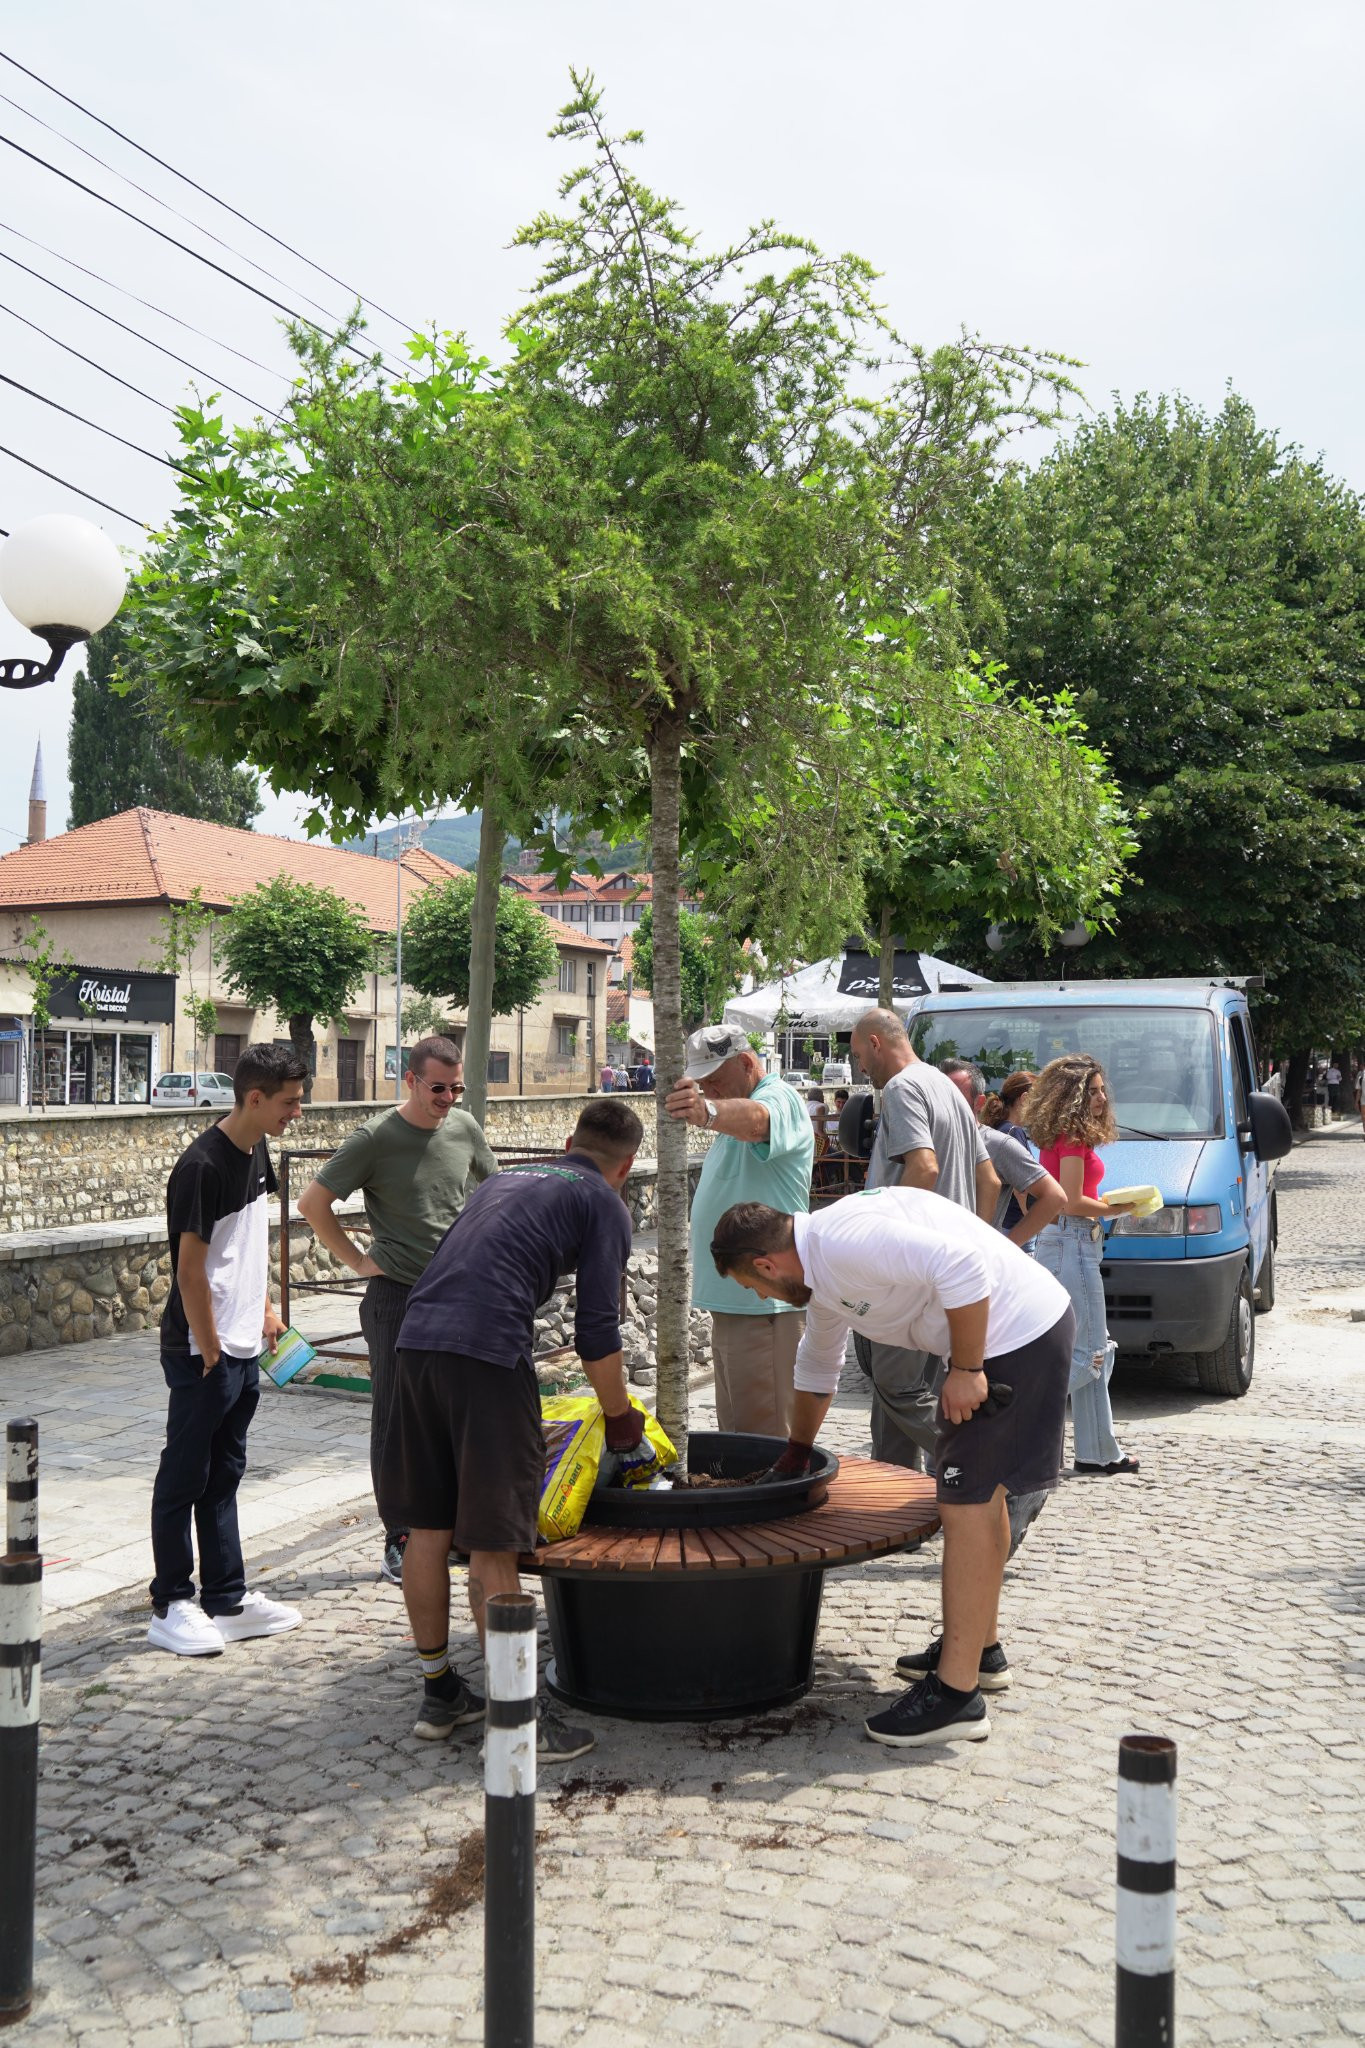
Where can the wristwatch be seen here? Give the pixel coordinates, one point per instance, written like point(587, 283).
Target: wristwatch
point(710, 1109)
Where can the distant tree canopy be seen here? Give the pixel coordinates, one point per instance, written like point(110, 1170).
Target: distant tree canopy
point(120, 754)
point(712, 964)
point(1199, 588)
point(299, 949)
point(437, 939)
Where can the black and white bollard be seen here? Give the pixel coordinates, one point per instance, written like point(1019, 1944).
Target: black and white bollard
point(21, 1616)
point(509, 1820)
point(1144, 2007)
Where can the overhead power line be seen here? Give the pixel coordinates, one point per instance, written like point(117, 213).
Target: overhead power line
point(160, 233)
point(90, 307)
point(66, 485)
point(156, 199)
point(103, 368)
point(150, 304)
point(407, 326)
point(166, 461)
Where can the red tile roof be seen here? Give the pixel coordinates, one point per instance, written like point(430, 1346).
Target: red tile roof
point(144, 856)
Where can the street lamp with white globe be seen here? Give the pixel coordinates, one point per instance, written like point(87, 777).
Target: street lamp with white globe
point(62, 578)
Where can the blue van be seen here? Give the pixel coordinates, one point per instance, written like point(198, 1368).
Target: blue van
point(1181, 1065)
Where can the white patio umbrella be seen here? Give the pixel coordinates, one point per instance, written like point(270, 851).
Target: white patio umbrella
point(831, 995)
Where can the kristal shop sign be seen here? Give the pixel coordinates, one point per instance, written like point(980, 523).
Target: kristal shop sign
point(114, 997)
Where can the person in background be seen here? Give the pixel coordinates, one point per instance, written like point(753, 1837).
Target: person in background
point(1030, 1198)
point(1360, 1092)
point(465, 1457)
point(1068, 1114)
point(414, 1165)
point(217, 1321)
point(818, 1114)
point(764, 1151)
point(644, 1074)
point(840, 1102)
point(927, 1138)
point(608, 1080)
point(1003, 1110)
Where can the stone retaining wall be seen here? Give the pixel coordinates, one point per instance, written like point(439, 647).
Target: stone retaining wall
point(64, 1286)
point(91, 1166)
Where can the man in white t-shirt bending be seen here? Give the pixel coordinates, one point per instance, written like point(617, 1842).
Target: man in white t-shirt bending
point(902, 1266)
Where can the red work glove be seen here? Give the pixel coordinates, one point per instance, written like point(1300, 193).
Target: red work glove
point(624, 1431)
point(793, 1463)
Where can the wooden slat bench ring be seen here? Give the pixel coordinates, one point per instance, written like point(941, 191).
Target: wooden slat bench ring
point(699, 1624)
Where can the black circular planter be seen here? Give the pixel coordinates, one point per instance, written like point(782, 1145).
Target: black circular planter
point(658, 1645)
point(720, 1456)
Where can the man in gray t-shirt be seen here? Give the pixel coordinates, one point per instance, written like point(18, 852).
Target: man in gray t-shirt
point(928, 1138)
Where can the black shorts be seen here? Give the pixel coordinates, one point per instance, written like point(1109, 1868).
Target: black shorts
point(464, 1451)
point(1019, 1447)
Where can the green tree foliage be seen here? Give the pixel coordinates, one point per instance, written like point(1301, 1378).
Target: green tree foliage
point(299, 949)
point(1199, 591)
point(120, 753)
point(438, 937)
point(710, 960)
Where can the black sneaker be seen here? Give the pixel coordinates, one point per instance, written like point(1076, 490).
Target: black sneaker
point(922, 1715)
point(559, 1742)
point(994, 1674)
point(392, 1567)
point(439, 1716)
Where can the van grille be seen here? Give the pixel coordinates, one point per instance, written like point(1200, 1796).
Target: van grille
point(1134, 1308)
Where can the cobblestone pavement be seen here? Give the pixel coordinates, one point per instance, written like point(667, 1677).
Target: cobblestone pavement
point(254, 1849)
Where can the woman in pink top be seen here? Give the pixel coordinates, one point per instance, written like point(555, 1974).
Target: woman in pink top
point(1067, 1114)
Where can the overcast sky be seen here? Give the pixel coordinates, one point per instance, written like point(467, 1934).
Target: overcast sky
point(1171, 193)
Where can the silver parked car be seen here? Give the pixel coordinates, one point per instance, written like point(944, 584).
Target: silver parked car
point(194, 1091)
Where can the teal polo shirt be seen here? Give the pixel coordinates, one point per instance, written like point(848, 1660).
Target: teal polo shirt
point(777, 1173)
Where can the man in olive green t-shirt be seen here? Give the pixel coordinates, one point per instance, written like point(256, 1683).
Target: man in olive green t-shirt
point(414, 1165)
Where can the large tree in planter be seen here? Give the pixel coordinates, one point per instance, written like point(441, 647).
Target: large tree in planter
point(733, 521)
point(438, 941)
point(300, 950)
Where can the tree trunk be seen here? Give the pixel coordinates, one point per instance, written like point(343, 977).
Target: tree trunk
point(671, 1352)
point(886, 960)
point(482, 933)
point(301, 1038)
point(1296, 1074)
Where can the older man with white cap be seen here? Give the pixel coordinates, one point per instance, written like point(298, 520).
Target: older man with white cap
point(763, 1151)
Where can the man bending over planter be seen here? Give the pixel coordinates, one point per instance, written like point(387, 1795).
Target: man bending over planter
point(902, 1266)
point(464, 1456)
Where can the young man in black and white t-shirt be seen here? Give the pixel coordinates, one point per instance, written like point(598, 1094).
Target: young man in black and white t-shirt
point(217, 1321)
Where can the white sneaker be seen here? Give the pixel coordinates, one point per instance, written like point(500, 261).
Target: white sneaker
point(186, 1630)
point(257, 1616)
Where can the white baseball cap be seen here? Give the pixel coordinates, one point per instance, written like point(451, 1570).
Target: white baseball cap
point(711, 1047)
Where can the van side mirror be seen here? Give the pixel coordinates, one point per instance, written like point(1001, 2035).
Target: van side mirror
point(1271, 1134)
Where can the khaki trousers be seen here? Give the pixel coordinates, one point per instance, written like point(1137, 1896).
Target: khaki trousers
point(754, 1358)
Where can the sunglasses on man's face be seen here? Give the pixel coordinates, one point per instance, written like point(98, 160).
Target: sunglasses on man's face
point(443, 1087)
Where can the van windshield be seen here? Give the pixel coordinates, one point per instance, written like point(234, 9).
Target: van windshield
point(1161, 1065)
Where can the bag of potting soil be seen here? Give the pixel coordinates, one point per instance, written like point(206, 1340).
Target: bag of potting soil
point(575, 1439)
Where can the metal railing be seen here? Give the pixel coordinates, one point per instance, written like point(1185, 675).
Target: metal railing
point(342, 1344)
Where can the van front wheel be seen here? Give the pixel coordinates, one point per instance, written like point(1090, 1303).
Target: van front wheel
point(1228, 1370)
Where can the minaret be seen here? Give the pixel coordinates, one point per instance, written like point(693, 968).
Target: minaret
point(37, 802)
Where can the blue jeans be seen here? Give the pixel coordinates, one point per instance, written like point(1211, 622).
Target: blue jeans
point(197, 1480)
point(1073, 1256)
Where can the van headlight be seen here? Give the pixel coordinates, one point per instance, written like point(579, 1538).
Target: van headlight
point(1205, 1219)
point(1169, 1222)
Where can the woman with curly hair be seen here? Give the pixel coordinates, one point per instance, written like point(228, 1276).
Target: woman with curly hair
point(1067, 1113)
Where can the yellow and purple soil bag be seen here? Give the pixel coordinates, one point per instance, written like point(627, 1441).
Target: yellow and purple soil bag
point(575, 1438)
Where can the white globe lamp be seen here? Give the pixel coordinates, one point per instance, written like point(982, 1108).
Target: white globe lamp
point(63, 579)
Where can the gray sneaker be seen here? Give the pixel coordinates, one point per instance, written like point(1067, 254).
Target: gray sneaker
point(559, 1742)
point(440, 1717)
